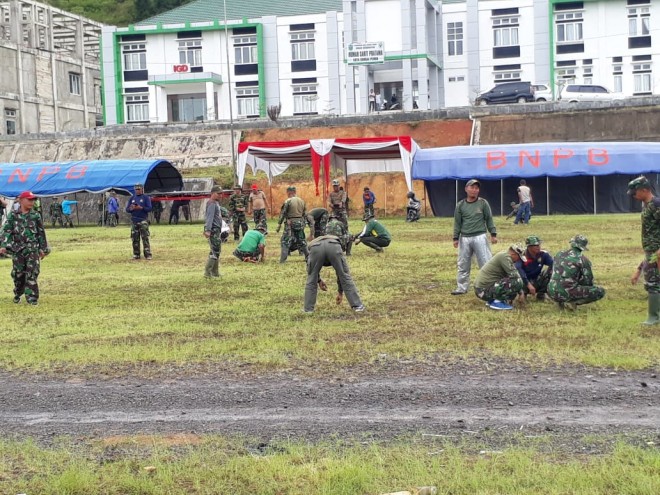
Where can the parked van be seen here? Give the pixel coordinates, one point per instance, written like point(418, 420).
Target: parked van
point(508, 92)
point(542, 92)
point(588, 92)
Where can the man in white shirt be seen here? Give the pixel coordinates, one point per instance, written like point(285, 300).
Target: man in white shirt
point(526, 203)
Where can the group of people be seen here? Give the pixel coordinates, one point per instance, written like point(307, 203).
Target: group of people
point(512, 274)
point(517, 272)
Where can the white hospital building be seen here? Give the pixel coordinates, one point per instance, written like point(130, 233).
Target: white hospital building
point(215, 59)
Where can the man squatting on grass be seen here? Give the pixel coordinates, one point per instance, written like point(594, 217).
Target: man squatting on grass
point(499, 282)
point(472, 218)
point(24, 236)
point(640, 189)
point(252, 248)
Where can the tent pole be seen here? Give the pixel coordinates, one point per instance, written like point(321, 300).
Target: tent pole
point(456, 190)
point(75, 197)
point(501, 196)
point(547, 195)
point(594, 182)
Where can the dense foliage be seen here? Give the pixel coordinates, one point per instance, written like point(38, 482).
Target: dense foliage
point(117, 12)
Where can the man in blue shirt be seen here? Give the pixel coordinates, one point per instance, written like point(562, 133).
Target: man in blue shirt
point(66, 211)
point(139, 207)
point(537, 268)
point(113, 208)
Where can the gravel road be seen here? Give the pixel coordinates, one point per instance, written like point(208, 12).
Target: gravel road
point(447, 402)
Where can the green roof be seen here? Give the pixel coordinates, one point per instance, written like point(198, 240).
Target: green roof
point(208, 10)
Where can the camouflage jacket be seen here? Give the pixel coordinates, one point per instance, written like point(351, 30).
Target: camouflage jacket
point(651, 226)
point(571, 269)
point(55, 209)
point(336, 228)
point(292, 208)
point(24, 232)
point(237, 201)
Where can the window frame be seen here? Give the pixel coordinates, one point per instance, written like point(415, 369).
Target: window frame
point(190, 52)
point(75, 84)
point(455, 39)
point(245, 49)
point(639, 20)
point(569, 19)
point(136, 103)
point(134, 56)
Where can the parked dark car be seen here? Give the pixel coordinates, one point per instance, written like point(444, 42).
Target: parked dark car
point(508, 92)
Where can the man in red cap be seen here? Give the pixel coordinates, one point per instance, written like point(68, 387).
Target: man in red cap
point(258, 207)
point(24, 236)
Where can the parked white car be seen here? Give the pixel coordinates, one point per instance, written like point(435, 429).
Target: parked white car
point(588, 92)
point(542, 92)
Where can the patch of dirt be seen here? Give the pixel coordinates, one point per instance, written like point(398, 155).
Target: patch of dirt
point(485, 402)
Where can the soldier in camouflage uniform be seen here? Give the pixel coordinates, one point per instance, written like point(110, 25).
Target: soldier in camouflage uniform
point(23, 235)
point(139, 207)
point(294, 214)
point(572, 281)
point(55, 211)
point(337, 203)
point(317, 219)
point(499, 282)
point(224, 213)
point(336, 227)
point(640, 189)
point(238, 205)
point(212, 231)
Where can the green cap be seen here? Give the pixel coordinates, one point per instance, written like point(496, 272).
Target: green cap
point(291, 189)
point(579, 242)
point(640, 182)
point(533, 240)
point(216, 189)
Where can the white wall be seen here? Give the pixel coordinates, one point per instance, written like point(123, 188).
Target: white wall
point(384, 23)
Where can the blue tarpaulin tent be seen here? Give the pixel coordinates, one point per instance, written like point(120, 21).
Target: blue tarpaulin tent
point(95, 176)
point(564, 177)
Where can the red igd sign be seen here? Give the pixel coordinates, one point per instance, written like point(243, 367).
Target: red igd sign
point(181, 68)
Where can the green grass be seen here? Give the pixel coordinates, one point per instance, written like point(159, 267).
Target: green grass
point(212, 465)
point(103, 312)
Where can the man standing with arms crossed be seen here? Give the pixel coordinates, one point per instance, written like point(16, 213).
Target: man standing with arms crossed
point(212, 231)
point(258, 206)
point(472, 219)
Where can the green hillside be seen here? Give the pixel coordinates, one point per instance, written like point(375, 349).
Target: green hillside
point(117, 12)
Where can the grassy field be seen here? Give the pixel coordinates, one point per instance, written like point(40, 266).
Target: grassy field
point(186, 465)
point(102, 312)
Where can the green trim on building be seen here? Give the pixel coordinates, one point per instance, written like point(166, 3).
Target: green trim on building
point(105, 120)
point(406, 57)
point(216, 26)
point(261, 70)
point(119, 79)
point(188, 81)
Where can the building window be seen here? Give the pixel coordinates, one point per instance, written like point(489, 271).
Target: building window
point(569, 27)
point(75, 83)
point(587, 74)
point(302, 45)
point(457, 79)
point(10, 120)
point(454, 38)
point(505, 31)
point(305, 97)
point(617, 72)
point(247, 99)
point(190, 52)
point(135, 56)
point(639, 21)
point(245, 49)
point(642, 78)
point(137, 108)
point(566, 75)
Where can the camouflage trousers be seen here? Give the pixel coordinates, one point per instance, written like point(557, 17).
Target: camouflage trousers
point(293, 238)
point(67, 220)
point(140, 230)
point(215, 243)
point(651, 275)
point(369, 209)
point(540, 283)
point(25, 271)
point(505, 289)
point(238, 220)
point(580, 294)
point(56, 219)
point(259, 217)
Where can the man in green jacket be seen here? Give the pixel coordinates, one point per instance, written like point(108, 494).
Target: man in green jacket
point(472, 219)
point(498, 282)
point(374, 234)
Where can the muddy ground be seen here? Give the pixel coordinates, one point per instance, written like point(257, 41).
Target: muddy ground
point(489, 406)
